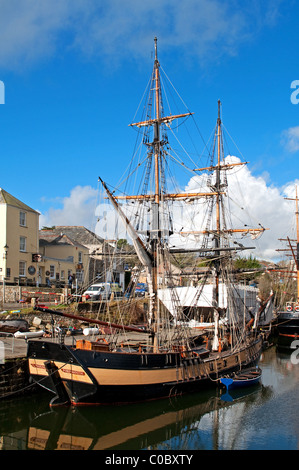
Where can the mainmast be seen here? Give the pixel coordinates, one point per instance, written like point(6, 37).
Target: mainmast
point(156, 212)
point(157, 124)
point(218, 229)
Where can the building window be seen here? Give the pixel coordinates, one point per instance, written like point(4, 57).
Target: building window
point(52, 271)
point(80, 257)
point(62, 274)
point(22, 243)
point(23, 219)
point(7, 272)
point(22, 268)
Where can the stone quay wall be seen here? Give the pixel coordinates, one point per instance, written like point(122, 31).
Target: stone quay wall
point(23, 294)
point(14, 377)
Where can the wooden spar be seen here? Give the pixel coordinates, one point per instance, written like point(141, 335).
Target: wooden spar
point(237, 230)
point(90, 320)
point(223, 167)
point(282, 271)
point(167, 196)
point(160, 120)
point(143, 254)
point(283, 249)
point(208, 250)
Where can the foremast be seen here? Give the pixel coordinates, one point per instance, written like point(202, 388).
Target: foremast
point(149, 255)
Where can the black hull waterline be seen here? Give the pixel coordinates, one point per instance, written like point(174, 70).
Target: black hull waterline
point(79, 377)
point(288, 329)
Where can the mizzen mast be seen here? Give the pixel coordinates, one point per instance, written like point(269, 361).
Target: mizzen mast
point(295, 254)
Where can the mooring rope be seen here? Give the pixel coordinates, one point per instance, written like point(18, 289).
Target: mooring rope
point(36, 382)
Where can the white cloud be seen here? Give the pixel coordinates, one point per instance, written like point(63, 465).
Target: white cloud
point(252, 204)
point(251, 200)
point(31, 30)
point(290, 139)
point(77, 209)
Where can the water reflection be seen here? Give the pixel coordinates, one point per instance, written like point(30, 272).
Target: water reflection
point(207, 420)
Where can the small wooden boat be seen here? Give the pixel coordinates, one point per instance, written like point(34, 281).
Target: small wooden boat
point(244, 378)
point(13, 325)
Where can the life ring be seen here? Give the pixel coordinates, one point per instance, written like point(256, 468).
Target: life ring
point(102, 339)
point(297, 308)
point(289, 308)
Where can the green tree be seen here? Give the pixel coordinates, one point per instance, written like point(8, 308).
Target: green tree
point(247, 263)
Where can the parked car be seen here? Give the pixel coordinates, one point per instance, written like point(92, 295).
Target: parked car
point(100, 291)
point(140, 289)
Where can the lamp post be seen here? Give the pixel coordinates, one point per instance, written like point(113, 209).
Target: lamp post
point(5, 250)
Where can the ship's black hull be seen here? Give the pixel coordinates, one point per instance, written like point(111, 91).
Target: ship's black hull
point(287, 328)
point(91, 377)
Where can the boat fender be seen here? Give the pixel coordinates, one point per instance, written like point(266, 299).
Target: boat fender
point(90, 331)
point(227, 381)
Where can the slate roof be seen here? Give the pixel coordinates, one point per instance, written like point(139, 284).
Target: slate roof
point(75, 234)
point(6, 198)
point(60, 240)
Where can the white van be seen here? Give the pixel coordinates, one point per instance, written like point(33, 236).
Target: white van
point(100, 291)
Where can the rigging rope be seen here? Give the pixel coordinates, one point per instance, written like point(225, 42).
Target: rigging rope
point(22, 390)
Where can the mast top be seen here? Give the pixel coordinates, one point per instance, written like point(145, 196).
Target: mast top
point(219, 118)
point(156, 50)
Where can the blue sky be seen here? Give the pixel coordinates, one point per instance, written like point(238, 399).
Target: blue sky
point(74, 73)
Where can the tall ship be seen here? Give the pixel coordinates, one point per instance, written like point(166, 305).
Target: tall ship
point(184, 345)
point(287, 319)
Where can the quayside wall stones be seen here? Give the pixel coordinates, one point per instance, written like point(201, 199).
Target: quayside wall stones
point(14, 378)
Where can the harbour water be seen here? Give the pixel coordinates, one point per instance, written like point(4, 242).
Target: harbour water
point(262, 417)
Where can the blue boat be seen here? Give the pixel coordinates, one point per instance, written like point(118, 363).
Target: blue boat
point(244, 378)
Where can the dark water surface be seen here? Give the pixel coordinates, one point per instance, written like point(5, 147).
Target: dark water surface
point(263, 417)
